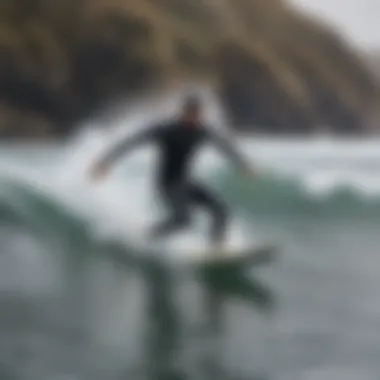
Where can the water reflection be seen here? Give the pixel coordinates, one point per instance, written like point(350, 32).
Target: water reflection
point(164, 325)
point(60, 333)
point(165, 332)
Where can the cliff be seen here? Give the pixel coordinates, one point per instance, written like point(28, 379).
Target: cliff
point(274, 68)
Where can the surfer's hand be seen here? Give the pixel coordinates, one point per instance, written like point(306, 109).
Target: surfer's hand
point(98, 171)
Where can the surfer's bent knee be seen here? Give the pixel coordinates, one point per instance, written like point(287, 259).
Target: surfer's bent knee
point(182, 218)
point(221, 212)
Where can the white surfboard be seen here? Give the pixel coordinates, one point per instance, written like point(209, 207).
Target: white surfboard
point(193, 250)
point(249, 255)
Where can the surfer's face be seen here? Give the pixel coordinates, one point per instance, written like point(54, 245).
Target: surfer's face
point(192, 113)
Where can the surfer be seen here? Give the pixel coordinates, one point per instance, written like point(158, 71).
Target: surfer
point(179, 141)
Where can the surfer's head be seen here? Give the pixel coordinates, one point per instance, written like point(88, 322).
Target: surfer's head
point(192, 110)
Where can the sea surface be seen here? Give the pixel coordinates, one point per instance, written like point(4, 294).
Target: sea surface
point(82, 299)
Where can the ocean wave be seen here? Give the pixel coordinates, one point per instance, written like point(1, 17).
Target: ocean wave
point(36, 206)
point(314, 195)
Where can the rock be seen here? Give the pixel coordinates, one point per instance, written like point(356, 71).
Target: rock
point(275, 69)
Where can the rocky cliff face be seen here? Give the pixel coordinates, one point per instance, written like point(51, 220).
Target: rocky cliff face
point(274, 69)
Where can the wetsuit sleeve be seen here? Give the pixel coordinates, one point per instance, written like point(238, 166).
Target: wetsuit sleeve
point(228, 148)
point(127, 144)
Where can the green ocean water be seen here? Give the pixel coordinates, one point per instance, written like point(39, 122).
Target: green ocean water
point(77, 302)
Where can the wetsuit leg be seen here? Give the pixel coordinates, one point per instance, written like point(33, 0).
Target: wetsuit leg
point(176, 197)
point(204, 197)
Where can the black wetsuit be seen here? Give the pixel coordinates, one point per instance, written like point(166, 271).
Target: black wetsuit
point(179, 143)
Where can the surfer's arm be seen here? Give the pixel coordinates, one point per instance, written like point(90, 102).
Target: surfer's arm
point(122, 147)
point(230, 150)
point(126, 145)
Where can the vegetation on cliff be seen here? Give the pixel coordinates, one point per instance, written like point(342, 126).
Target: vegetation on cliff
point(274, 69)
